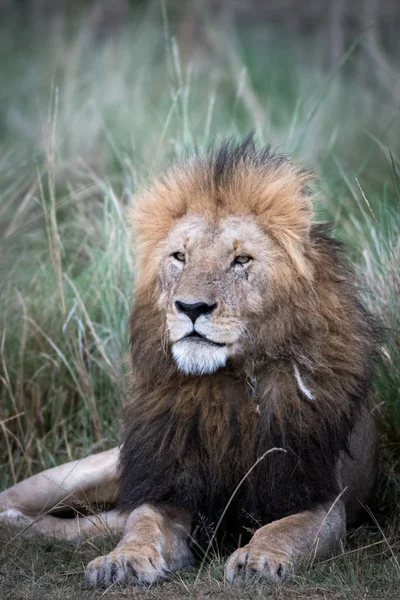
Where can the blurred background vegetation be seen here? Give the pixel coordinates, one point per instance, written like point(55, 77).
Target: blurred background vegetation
point(95, 97)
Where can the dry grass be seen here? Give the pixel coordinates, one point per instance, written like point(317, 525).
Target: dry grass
point(365, 571)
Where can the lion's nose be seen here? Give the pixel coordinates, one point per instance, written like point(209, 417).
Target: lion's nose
point(195, 310)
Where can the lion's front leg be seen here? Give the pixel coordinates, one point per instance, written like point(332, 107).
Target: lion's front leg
point(274, 549)
point(155, 543)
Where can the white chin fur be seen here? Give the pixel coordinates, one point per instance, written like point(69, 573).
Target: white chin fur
point(195, 358)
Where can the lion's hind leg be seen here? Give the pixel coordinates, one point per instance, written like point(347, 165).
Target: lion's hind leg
point(154, 544)
point(73, 529)
point(90, 479)
point(80, 484)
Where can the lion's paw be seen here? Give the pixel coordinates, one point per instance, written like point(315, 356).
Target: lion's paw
point(252, 563)
point(140, 565)
point(16, 520)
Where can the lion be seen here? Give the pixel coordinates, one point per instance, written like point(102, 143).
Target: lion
point(251, 363)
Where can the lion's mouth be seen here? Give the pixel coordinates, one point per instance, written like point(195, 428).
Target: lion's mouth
point(201, 339)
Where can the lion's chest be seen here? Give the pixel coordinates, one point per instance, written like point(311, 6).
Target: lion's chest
point(210, 449)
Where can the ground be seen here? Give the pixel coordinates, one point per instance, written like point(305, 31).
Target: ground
point(368, 569)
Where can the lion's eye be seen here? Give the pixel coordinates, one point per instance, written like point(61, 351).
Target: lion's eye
point(242, 259)
point(179, 256)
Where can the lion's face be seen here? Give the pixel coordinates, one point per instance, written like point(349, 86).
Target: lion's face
point(214, 279)
point(223, 247)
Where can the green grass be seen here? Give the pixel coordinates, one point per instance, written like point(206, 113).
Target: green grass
point(83, 120)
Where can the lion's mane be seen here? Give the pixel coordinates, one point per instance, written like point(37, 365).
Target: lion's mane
point(189, 440)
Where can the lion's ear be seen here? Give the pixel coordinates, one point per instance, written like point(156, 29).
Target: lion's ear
point(295, 249)
point(153, 214)
point(286, 211)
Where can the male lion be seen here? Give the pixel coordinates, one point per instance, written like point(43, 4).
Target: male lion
point(251, 370)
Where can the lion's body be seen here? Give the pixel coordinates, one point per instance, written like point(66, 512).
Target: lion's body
point(194, 437)
point(28, 507)
point(195, 457)
point(251, 369)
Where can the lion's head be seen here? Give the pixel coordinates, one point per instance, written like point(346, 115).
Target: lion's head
point(222, 240)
